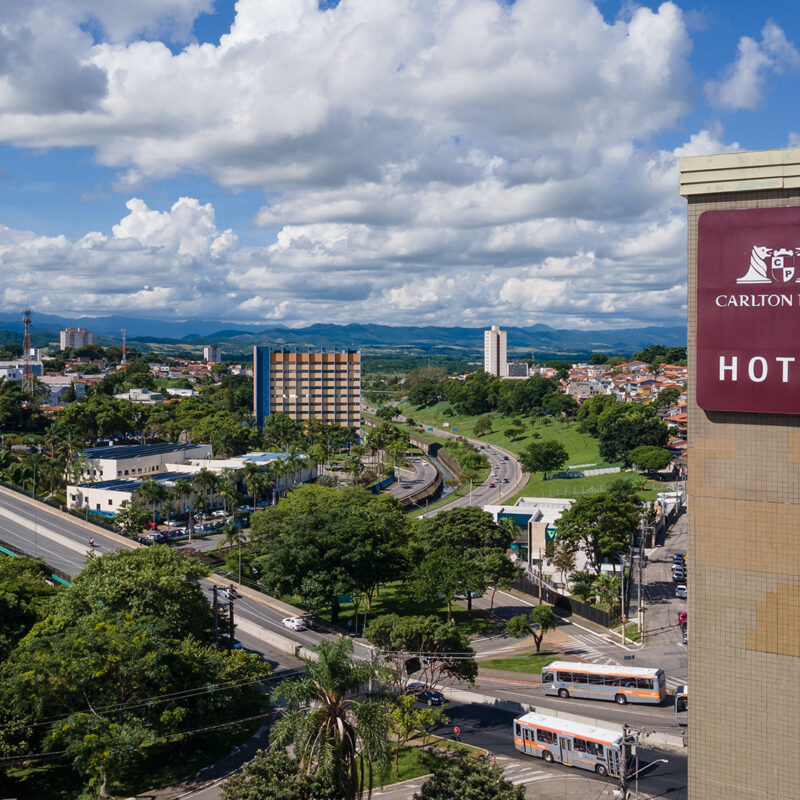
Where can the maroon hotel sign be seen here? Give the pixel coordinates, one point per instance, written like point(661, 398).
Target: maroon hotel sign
point(748, 310)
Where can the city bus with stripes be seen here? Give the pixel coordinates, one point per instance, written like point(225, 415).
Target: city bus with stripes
point(682, 704)
point(604, 682)
point(575, 744)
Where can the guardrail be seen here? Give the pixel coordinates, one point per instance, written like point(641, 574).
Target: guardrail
point(58, 575)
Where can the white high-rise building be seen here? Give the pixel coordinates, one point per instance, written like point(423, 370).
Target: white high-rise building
point(212, 354)
point(495, 358)
point(70, 337)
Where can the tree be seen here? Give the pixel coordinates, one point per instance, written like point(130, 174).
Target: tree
point(601, 524)
point(667, 398)
point(500, 572)
point(608, 588)
point(336, 737)
point(537, 623)
point(564, 558)
point(468, 779)
point(424, 392)
point(133, 516)
point(272, 775)
point(649, 459)
point(387, 413)
point(406, 720)
point(154, 493)
point(544, 456)
point(598, 358)
point(448, 655)
point(583, 585)
point(483, 425)
point(24, 593)
point(625, 426)
point(320, 542)
point(559, 404)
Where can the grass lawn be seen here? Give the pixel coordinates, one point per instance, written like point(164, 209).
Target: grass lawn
point(582, 449)
point(524, 662)
point(414, 761)
point(575, 487)
point(392, 600)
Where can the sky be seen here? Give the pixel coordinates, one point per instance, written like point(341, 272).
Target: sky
point(408, 162)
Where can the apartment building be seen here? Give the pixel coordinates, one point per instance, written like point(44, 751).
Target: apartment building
point(72, 337)
point(495, 352)
point(305, 384)
point(212, 354)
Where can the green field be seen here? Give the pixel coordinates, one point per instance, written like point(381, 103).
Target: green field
point(583, 450)
point(525, 662)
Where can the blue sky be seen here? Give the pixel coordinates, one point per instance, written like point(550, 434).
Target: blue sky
point(399, 161)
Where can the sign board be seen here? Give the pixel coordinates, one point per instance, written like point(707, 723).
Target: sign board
point(550, 534)
point(455, 429)
point(748, 310)
point(345, 598)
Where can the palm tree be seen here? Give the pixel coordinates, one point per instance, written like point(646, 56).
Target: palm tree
point(335, 735)
point(205, 481)
point(253, 480)
point(183, 490)
point(155, 493)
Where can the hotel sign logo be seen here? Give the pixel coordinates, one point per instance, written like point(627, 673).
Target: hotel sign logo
point(748, 310)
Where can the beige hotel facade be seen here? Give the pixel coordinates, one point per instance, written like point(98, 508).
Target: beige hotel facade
point(744, 474)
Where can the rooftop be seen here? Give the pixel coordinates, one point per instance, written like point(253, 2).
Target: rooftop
point(131, 484)
point(136, 450)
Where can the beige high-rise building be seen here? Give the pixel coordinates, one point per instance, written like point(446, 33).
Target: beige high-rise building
point(70, 337)
point(212, 354)
point(744, 474)
point(304, 384)
point(495, 356)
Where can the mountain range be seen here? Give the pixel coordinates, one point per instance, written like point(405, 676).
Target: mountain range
point(197, 332)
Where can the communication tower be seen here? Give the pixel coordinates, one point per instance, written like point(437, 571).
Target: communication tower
point(27, 371)
point(124, 357)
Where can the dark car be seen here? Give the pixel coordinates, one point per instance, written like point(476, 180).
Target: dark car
point(679, 558)
point(425, 695)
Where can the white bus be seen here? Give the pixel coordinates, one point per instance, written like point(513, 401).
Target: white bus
point(575, 744)
point(682, 704)
point(604, 682)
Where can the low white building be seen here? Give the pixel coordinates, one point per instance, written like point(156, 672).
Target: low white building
point(173, 392)
point(141, 396)
point(107, 496)
point(58, 385)
point(127, 461)
point(536, 516)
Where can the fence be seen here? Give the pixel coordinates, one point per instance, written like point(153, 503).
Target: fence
point(567, 606)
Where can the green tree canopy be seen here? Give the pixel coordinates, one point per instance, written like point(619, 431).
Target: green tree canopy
point(273, 775)
point(545, 456)
point(649, 459)
point(320, 542)
point(600, 524)
point(468, 779)
point(400, 638)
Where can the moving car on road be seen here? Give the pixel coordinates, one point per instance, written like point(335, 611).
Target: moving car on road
point(604, 682)
point(295, 623)
point(425, 695)
point(574, 744)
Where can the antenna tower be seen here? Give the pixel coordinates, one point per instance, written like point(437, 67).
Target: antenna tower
point(533, 357)
point(27, 372)
point(124, 357)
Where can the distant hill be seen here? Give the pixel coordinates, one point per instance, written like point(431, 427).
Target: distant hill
point(199, 332)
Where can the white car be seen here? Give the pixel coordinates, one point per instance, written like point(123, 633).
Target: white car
point(219, 513)
point(295, 623)
point(680, 591)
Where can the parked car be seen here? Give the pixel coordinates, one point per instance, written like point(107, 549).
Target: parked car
point(685, 636)
point(678, 574)
point(682, 617)
point(295, 623)
point(219, 513)
point(680, 591)
point(679, 558)
point(173, 523)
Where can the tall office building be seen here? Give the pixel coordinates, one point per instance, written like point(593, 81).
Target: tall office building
point(325, 384)
point(744, 474)
point(495, 357)
point(212, 354)
point(70, 337)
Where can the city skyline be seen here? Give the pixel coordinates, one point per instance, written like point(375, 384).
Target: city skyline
point(421, 163)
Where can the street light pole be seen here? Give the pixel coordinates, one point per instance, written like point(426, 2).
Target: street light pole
point(622, 601)
point(35, 537)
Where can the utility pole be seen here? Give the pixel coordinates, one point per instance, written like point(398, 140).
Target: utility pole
point(541, 575)
point(640, 597)
point(231, 625)
point(622, 602)
point(240, 559)
point(623, 772)
point(214, 621)
point(35, 538)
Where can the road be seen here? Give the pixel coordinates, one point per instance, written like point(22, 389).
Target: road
point(421, 474)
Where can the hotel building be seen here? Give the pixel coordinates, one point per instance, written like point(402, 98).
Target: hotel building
point(305, 384)
point(744, 474)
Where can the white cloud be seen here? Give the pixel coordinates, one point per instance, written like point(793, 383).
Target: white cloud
point(422, 159)
point(742, 86)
